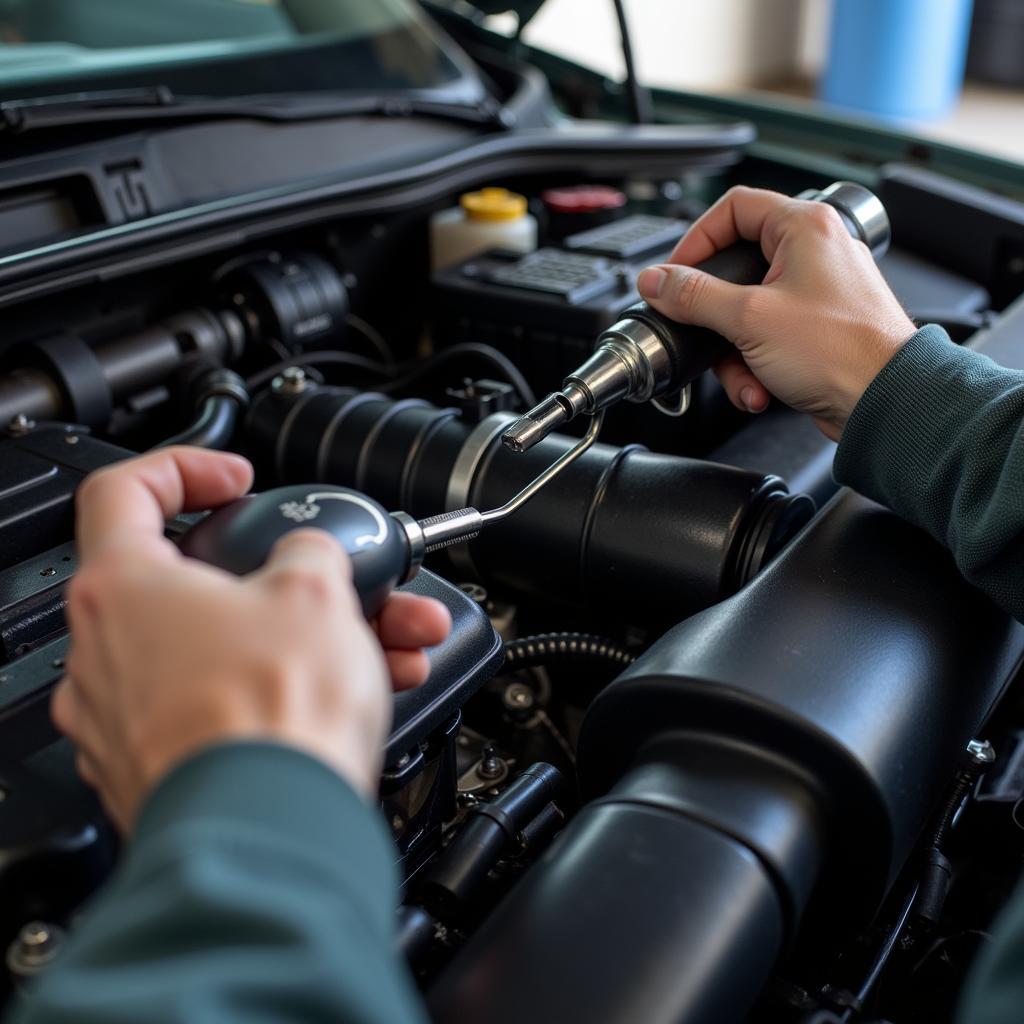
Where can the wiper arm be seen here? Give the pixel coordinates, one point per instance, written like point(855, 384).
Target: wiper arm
point(158, 103)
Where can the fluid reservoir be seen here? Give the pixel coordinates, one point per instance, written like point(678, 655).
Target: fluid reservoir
point(492, 218)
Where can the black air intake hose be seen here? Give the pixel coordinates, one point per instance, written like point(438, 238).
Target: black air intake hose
point(650, 536)
point(758, 778)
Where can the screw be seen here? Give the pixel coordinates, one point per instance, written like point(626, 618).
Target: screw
point(72, 439)
point(517, 697)
point(20, 425)
point(474, 592)
point(36, 945)
point(292, 381)
point(57, 663)
point(491, 767)
point(981, 752)
point(48, 571)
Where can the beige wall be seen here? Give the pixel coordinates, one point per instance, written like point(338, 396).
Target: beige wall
point(690, 44)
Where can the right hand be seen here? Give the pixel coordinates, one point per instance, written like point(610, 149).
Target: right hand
point(170, 656)
point(814, 333)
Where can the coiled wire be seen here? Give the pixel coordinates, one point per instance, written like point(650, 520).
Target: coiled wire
point(545, 648)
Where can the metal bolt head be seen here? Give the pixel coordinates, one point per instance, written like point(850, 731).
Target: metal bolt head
point(518, 697)
point(291, 381)
point(981, 752)
point(35, 946)
point(48, 571)
point(20, 425)
point(474, 592)
point(492, 767)
point(72, 439)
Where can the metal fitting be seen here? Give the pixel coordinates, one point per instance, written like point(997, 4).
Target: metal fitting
point(291, 381)
point(20, 425)
point(36, 945)
point(981, 753)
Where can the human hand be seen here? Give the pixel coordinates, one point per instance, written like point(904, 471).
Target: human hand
point(169, 655)
point(814, 333)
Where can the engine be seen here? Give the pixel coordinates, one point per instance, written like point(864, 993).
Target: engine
point(709, 741)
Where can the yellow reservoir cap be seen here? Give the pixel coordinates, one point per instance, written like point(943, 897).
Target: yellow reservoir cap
point(493, 204)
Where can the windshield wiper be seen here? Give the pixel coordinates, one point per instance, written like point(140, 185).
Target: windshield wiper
point(158, 103)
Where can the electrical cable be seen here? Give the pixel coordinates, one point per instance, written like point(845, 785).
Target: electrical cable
point(374, 337)
point(415, 369)
point(638, 98)
point(327, 357)
point(545, 648)
point(409, 372)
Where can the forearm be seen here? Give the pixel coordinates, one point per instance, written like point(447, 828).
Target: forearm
point(939, 438)
point(258, 885)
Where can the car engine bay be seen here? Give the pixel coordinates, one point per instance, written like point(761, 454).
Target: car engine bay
point(711, 739)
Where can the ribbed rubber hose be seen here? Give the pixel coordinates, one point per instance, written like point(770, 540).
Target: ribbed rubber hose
point(545, 648)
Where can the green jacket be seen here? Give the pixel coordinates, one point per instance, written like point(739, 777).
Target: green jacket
point(259, 889)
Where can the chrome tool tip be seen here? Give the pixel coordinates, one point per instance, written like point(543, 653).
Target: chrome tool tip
point(540, 421)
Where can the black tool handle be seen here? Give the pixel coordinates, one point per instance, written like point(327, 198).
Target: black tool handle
point(238, 537)
point(693, 350)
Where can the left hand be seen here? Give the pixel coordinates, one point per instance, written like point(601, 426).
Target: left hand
point(170, 655)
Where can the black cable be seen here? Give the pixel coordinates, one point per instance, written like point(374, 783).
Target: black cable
point(545, 648)
point(327, 357)
point(374, 337)
point(409, 371)
point(421, 367)
point(638, 98)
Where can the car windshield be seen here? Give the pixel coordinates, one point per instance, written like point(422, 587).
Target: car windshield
point(220, 47)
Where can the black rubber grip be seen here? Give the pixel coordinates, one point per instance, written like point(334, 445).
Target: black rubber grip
point(696, 349)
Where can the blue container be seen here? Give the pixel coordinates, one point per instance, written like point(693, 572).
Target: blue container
point(897, 59)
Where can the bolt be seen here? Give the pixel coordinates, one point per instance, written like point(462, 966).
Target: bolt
point(292, 381)
point(474, 592)
point(491, 767)
point(36, 945)
point(517, 697)
point(72, 439)
point(20, 425)
point(981, 753)
point(48, 571)
point(57, 663)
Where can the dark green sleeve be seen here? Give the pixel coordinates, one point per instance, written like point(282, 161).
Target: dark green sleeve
point(939, 438)
point(259, 888)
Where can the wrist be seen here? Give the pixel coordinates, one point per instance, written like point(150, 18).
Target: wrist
point(872, 350)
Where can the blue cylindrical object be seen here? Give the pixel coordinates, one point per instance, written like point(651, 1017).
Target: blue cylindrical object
point(897, 59)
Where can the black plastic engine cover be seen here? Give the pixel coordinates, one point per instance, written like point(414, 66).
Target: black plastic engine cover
point(806, 727)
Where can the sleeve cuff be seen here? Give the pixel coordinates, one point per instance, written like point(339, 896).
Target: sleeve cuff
point(894, 431)
point(275, 795)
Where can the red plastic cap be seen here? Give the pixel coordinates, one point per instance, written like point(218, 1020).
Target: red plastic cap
point(583, 199)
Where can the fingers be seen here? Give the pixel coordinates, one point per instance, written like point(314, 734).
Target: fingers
point(740, 213)
point(692, 297)
point(307, 550)
point(409, 622)
point(132, 499)
point(408, 669)
point(745, 391)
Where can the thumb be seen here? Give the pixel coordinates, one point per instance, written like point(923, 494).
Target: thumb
point(307, 557)
point(690, 296)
